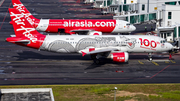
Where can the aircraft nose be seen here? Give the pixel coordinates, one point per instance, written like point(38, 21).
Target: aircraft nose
point(133, 28)
point(169, 46)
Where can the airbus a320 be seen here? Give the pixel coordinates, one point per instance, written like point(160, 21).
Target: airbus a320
point(115, 47)
point(73, 26)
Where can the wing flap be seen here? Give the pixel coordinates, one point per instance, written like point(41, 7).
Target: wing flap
point(96, 51)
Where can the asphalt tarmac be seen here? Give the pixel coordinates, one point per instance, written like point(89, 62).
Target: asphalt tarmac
point(25, 66)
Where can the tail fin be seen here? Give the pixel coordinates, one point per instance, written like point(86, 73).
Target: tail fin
point(24, 30)
point(22, 9)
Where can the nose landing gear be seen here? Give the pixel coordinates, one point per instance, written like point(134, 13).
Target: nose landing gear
point(150, 56)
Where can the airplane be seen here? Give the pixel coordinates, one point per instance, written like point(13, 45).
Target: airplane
point(115, 47)
point(74, 26)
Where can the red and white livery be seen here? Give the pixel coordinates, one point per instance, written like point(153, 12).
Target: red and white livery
point(73, 26)
point(115, 47)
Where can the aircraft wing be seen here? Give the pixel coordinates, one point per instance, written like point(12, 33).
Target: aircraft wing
point(96, 50)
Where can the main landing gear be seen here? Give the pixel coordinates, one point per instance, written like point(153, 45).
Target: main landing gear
point(150, 56)
point(95, 58)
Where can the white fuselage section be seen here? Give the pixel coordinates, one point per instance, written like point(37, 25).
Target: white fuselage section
point(123, 43)
point(105, 26)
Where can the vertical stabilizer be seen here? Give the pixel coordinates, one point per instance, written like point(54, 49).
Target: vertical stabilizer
point(22, 9)
point(24, 30)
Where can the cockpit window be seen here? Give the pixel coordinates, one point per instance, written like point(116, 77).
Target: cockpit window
point(128, 24)
point(163, 41)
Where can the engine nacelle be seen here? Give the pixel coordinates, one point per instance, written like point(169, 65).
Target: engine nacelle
point(120, 57)
point(94, 33)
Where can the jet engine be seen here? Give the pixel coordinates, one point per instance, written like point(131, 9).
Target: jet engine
point(94, 33)
point(120, 56)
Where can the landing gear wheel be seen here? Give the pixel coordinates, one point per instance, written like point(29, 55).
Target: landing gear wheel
point(150, 56)
point(93, 57)
point(150, 59)
point(97, 61)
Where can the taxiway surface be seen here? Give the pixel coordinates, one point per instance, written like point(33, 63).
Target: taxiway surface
point(21, 65)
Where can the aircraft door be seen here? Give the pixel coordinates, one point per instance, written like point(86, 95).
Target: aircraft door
point(120, 26)
point(41, 43)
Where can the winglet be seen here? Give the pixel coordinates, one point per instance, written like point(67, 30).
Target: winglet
point(83, 53)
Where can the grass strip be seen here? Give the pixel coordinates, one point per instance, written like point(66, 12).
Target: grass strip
point(105, 92)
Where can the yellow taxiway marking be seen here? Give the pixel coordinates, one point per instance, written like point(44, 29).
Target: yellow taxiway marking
point(172, 61)
point(155, 63)
point(166, 61)
point(140, 62)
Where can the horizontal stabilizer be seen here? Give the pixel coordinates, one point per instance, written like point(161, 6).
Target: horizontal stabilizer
point(22, 41)
point(18, 40)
